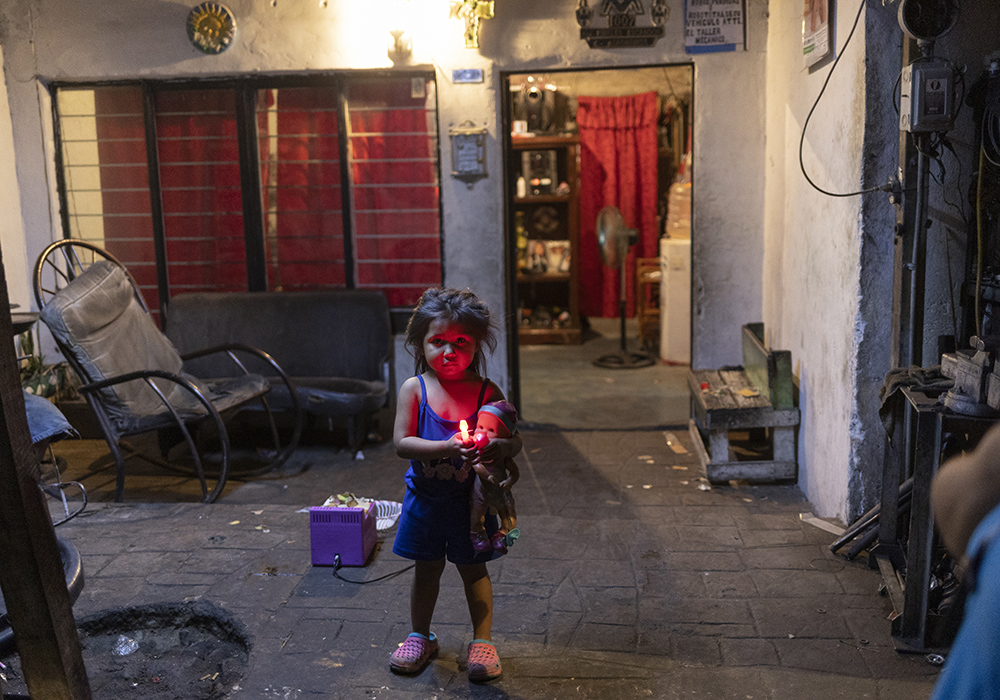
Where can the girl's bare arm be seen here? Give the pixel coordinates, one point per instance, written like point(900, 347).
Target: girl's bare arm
point(404, 434)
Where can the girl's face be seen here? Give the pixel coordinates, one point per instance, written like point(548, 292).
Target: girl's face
point(448, 348)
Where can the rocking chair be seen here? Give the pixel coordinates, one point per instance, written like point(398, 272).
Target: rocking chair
point(132, 375)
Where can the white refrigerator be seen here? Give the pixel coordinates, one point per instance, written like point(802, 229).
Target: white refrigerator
point(675, 300)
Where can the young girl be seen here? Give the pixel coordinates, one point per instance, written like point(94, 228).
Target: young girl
point(446, 335)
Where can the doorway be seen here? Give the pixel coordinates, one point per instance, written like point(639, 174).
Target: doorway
point(562, 168)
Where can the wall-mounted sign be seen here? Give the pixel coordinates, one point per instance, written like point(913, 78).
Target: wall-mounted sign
point(714, 25)
point(628, 24)
point(468, 152)
point(467, 75)
point(815, 31)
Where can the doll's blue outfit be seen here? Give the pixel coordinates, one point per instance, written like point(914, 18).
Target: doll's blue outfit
point(434, 522)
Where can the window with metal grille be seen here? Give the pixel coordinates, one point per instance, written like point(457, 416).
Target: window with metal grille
point(257, 184)
point(299, 153)
point(393, 147)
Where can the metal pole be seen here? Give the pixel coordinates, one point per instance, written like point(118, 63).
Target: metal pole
point(918, 259)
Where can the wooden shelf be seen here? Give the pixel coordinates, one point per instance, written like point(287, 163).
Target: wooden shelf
point(539, 336)
point(543, 277)
point(550, 290)
point(542, 142)
point(543, 199)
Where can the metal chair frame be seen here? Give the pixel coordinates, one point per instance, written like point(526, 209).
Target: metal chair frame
point(66, 259)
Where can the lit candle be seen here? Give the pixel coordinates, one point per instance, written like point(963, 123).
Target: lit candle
point(464, 425)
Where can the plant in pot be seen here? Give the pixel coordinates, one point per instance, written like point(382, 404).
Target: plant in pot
point(48, 381)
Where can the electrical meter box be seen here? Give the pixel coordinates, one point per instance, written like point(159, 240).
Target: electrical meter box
point(927, 96)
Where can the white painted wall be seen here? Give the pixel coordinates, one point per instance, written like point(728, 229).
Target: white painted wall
point(68, 40)
point(811, 242)
point(792, 262)
point(11, 234)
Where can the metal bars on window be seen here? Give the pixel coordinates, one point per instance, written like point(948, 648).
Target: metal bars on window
point(248, 185)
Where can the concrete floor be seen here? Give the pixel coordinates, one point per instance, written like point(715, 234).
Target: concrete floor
point(561, 386)
point(630, 580)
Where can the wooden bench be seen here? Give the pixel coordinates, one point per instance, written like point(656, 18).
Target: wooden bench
point(754, 397)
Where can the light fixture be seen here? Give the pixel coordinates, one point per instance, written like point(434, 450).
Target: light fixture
point(400, 38)
point(400, 45)
point(927, 20)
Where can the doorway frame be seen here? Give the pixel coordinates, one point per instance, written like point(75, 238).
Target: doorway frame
point(511, 327)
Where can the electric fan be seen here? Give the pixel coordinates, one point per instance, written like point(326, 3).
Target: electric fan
point(614, 240)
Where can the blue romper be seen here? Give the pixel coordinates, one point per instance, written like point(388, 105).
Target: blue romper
point(436, 511)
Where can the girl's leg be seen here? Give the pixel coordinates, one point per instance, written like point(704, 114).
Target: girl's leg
point(479, 594)
point(424, 594)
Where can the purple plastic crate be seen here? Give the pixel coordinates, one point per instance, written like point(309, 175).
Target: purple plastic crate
point(349, 532)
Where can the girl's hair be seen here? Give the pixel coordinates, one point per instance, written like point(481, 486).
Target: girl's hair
point(458, 306)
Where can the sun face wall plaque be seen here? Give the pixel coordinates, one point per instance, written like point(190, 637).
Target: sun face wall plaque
point(211, 27)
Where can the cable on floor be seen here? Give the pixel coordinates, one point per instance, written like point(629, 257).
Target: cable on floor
point(337, 565)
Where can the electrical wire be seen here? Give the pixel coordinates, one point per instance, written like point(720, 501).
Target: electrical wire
point(989, 153)
point(802, 139)
point(991, 136)
point(979, 239)
point(947, 144)
point(336, 574)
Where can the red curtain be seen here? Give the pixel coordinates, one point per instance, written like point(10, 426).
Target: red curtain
point(618, 158)
point(200, 188)
point(125, 219)
point(299, 148)
point(397, 224)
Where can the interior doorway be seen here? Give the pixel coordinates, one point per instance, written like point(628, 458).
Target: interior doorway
point(577, 143)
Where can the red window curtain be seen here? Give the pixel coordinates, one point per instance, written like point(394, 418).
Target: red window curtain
point(397, 228)
point(200, 183)
point(300, 184)
point(126, 228)
point(395, 212)
point(618, 167)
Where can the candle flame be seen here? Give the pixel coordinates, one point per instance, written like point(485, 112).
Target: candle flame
point(464, 426)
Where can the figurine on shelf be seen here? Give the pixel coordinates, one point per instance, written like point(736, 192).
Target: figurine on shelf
point(491, 489)
point(538, 258)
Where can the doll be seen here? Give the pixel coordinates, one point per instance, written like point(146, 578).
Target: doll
point(491, 489)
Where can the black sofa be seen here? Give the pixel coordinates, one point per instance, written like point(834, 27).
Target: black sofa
point(336, 345)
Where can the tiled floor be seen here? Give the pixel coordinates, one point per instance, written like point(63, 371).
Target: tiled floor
point(629, 581)
point(561, 386)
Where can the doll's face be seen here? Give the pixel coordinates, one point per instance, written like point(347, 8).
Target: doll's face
point(491, 426)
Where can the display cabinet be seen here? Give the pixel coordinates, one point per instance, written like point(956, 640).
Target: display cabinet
point(546, 214)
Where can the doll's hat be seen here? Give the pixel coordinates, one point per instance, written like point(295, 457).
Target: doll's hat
point(504, 412)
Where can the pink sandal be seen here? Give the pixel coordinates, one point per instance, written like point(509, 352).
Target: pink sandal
point(484, 663)
point(414, 653)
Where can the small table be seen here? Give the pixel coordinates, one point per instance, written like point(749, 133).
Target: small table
point(22, 321)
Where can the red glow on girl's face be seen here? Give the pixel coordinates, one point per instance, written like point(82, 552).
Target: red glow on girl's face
point(448, 348)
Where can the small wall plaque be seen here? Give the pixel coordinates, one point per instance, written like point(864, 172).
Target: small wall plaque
point(468, 152)
point(211, 27)
point(467, 75)
point(622, 30)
